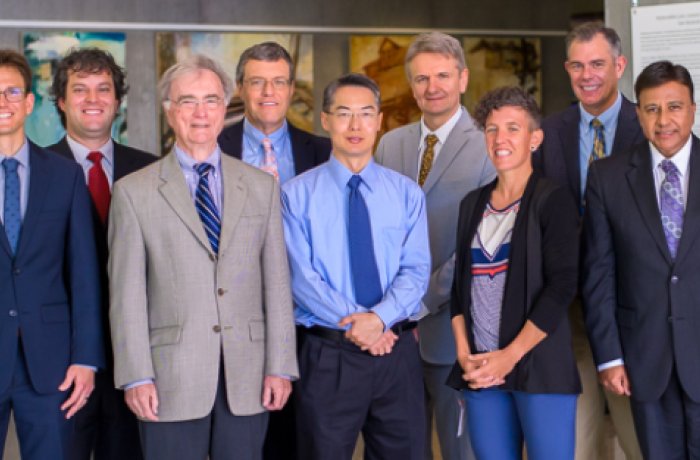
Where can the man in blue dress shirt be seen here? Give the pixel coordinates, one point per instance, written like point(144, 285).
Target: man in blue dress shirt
point(357, 240)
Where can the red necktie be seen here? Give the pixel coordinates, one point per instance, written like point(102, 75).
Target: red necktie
point(98, 185)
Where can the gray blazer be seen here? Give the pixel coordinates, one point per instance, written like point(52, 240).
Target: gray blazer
point(461, 167)
point(175, 305)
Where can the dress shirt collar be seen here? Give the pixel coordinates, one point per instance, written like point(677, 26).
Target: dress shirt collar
point(256, 136)
point(607, 118)
point(80, 152)
point(443, 131)
point(341, 175)
point(22, 155)
point(680, 159)
point(187, 163)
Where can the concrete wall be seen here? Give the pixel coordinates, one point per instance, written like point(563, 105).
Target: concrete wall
point(330, 50)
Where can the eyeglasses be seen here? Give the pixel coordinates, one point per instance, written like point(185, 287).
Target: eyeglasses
point(344, 116)
point(190, 104)
point(13, 93)
point(260, 83)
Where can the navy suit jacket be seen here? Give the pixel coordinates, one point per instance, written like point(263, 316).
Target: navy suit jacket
point(558, 156)
point(640, 305)
point(308, 150)
point(49, 291)
point(126, 160)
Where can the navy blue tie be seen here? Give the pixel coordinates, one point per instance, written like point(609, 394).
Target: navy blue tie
point(363, 265)
point(206, 208)
point(12, 216)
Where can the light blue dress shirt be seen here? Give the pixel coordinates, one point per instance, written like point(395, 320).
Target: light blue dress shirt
point(587, 135)
point(254, 154)
point(187, 164)
point(315, 213)
point(22, 156)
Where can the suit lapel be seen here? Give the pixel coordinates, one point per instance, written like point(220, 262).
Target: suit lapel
point(691, 218)
point(176, 193)
point(409, 151)
point(122, 162)
point(641, 182)
point(569, 140)
point(453, 145)
point(235, 194)
point(39, 180)
point(63, 149)
point(628, 131)
point(303, 159)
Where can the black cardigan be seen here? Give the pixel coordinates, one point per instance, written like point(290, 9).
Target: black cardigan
point(541, 283)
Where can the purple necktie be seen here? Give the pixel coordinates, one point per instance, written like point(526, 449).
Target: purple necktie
point(671, 197)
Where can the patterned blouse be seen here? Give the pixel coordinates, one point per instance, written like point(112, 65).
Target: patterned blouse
point(490, 251)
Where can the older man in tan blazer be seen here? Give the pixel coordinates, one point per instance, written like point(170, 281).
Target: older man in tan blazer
point(201, 309)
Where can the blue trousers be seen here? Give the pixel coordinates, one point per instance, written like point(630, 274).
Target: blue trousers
point(499, 421)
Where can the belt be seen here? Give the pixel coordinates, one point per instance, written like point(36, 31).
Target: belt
point(338, 335)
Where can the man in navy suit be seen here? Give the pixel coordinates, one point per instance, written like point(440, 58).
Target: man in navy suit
point(88, 88)
point(265, 82)
point(595, 64)
point(50, 334)
point(642, 267)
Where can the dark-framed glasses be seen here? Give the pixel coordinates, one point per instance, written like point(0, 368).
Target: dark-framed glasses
point(13, 93)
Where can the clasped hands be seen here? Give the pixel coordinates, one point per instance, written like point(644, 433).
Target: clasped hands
point(486, 370)
point(367, 332)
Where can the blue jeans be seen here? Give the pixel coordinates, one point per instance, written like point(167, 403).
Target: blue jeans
point(499, 421)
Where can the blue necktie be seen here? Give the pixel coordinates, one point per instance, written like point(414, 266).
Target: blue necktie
point(363, 265)
point(671, 198)
point(13, 218)
point(204, 203)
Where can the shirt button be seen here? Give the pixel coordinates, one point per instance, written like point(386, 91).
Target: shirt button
point(674, 279)
point(221, 291)
point(216, 328)
point(16, 271)
point(13, 312)
point(212, 257)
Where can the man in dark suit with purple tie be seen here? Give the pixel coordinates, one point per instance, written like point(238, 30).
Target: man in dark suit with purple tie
point(88, 88)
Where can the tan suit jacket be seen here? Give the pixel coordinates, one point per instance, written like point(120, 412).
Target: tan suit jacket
point(176, 306)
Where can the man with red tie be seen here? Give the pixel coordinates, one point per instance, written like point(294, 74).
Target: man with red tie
point(88, 88)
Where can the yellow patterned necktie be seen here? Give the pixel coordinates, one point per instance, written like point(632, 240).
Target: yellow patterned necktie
point(427, 161)
point(598, 151)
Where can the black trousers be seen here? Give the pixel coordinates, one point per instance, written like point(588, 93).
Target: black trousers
point(668, 428)
point(218, 436)
point(105, 425)
point(344, 391)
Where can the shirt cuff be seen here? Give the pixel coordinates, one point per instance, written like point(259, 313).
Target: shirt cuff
point(92, 368)
point(609, 364)
point(137, 383)
point(422, 313)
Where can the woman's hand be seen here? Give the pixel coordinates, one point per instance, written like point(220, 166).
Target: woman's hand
point(489, 369)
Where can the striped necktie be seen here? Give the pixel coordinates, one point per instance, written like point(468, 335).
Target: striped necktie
point(204, 203)
point(598, 151)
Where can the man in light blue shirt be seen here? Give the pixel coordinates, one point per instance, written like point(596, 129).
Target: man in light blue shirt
point(357, 241)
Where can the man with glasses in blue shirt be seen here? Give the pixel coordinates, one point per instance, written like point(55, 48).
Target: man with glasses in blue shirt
point(357, 241)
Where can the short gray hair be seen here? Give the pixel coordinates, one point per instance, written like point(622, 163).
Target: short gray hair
point(588, 30)
point(266, 51)
point(194, 63)
point(436, 42)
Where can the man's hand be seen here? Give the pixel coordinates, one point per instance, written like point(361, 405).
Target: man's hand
point(82, 379)
point(143, 401)
point(365, 329)
point(384, 345)
point(276, 391)
point(615, 379)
